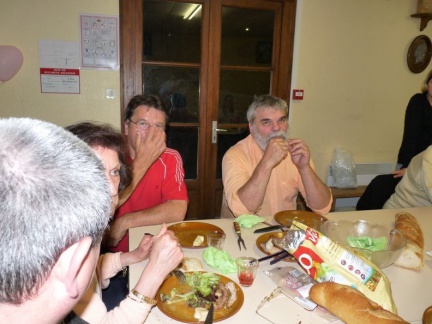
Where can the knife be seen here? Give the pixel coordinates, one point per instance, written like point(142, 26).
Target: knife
point(209, 318)
point(269, 229)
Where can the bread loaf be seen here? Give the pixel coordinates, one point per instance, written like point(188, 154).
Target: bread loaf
point(412, 256)
point(350, 305)
point(191, 264)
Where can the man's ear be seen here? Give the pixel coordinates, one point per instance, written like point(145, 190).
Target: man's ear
point(71, 262)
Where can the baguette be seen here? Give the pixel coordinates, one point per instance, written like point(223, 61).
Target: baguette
point(351, 305)
point(412, 256)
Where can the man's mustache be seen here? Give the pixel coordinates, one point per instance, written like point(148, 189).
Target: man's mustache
point(282, 134)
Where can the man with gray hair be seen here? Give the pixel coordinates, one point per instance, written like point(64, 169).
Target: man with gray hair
point(264, 173)
point(55, 204)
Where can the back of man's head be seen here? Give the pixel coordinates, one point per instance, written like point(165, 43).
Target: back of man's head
point(53, 193)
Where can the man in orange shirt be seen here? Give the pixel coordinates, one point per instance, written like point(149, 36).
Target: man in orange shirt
point(264, 173)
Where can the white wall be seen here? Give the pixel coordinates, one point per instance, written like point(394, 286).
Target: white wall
point(22, 24)
point(350, 58)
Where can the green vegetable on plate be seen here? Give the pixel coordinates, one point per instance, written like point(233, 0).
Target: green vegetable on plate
point(203, 286)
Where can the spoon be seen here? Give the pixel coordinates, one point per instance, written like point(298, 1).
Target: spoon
point(429, 253)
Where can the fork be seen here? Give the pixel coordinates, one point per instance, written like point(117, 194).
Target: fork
point(180, 276)
point(238, 231)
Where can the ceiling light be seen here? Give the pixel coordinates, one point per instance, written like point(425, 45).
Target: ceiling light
point(192, 13)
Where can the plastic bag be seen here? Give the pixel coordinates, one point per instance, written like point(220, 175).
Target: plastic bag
point(343, 168)
point(296, 284)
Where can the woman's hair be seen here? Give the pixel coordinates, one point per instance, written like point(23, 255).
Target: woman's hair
point(426, 81)
point(264, 102)
point(106, 136)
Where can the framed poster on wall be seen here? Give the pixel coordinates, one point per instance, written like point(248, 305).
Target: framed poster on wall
point(99, 42)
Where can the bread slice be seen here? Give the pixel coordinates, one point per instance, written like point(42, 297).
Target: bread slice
point(191, 264)
point(412, 256)
point(351, 305)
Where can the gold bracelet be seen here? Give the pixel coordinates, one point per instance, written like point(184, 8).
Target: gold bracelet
point(143, 299)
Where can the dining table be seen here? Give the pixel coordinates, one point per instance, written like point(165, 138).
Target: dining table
point(411, 289)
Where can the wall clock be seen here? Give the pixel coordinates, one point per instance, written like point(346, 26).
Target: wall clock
point(419, 54)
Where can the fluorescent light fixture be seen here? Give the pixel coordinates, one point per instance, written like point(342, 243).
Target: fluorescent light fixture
point(192, 13)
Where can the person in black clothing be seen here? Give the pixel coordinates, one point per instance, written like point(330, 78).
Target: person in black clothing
point(417, 136)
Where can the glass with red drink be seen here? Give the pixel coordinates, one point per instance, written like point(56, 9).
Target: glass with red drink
point(246, 270)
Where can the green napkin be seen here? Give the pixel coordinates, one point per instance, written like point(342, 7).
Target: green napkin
point(219, 260)
point(368, 243)
point(247, 221)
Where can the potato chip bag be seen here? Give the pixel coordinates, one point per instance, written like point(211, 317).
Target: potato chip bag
point(326, 260)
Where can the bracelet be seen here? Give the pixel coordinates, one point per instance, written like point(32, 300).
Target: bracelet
point(143, 299)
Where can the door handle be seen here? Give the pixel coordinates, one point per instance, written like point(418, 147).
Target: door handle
point(215, 130)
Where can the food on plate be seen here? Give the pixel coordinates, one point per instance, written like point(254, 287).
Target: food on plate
point(266, 243)
point(191, 264)
point(201, 313)
point(412, 256)
point(350, 305)
point(368, 243)
point(270, 247)
point(232, 293)
point(202, 289)
point(198, 240)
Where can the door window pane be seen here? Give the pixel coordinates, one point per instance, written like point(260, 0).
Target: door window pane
point(247, 37)
point(237, 90)
point(168, 36)
point(178, 87)
point(185, 141)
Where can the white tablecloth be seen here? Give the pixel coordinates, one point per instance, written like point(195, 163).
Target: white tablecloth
point(412, 290)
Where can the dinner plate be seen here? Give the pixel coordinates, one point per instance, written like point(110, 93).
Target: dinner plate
point(310, 219)
point(186, 232)
point(182, 313)
point(263, 239)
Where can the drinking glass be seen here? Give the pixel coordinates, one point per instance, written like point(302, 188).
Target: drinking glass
point(246, 270)
point(216, 239)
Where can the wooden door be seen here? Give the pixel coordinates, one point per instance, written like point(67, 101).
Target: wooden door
point(207, 69)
